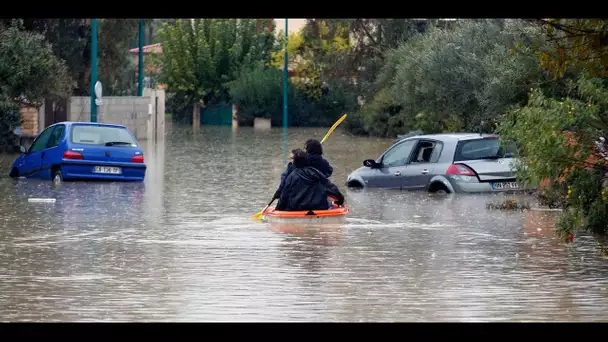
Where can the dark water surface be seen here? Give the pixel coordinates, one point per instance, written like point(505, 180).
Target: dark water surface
point(182, 247)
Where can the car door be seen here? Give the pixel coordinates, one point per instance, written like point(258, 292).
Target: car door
point(422, 163)
point(393, 163)
point(33, 158)
point(53, 152)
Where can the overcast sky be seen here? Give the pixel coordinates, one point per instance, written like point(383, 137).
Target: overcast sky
point(294, 25)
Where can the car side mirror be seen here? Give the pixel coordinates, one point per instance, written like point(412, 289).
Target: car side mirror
point(22, 149)
point(371, 163)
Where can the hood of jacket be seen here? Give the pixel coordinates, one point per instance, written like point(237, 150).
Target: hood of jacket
point(309, 174)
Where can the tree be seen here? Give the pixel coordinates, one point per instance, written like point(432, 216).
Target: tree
point(351, 51)
point(29, 72)
point(575, 45)
point(200, 56)
point(257, 91)
point(457, 79)
point(117, 72)
point(71, 41)
point(564, 153)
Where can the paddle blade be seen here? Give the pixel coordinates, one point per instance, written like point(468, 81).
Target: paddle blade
point(258, 216)
point(334, 127)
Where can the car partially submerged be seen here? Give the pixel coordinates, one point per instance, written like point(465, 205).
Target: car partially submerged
point(446, 163)
point(82, 151)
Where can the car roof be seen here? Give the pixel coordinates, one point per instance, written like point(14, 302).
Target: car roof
point(100, 124)
point(452, 136)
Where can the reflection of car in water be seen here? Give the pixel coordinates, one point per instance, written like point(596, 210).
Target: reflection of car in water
point(446, 163)
point(82, 151)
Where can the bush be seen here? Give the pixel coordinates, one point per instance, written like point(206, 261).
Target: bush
point(560, 152)
point(29, 71)
point(9, 120)
point(258, 92)
point(180, 109)
point(461, 79)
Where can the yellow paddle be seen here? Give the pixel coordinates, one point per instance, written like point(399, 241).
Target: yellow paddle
point(332, 128)
point(259, 215)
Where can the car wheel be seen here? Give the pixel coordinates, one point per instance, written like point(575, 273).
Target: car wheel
point(354, 185)
point(14, 173)
point(57, 176)
point(439, 189)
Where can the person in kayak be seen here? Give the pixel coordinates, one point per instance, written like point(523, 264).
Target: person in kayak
point(290, 167)
point(314, 151)
point(306, 187)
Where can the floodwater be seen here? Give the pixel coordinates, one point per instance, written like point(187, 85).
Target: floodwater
point(182, 247)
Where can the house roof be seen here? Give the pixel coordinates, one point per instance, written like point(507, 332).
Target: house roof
point(156, 48)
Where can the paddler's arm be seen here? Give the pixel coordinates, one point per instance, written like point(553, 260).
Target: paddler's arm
point(283, 195)
point(332, 191)
point(284, 175)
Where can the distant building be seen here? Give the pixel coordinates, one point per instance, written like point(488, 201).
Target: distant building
point(148, 50)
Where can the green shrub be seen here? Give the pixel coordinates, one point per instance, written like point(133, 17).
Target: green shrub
point(460, 79)
point(258, 92)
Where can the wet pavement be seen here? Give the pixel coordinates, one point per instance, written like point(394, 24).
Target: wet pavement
point(182, 246)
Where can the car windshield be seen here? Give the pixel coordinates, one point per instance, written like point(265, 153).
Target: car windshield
point(484, 148)
point(102, 136)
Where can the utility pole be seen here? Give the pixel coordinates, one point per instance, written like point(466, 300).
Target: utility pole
point(93, 69)
point(285, 84)
point(140, 84)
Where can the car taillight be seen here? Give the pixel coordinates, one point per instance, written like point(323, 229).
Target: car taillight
point(459, 169)
point(72, 155)
point(138, 158)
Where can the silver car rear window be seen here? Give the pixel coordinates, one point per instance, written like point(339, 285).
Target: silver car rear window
point(482, 148)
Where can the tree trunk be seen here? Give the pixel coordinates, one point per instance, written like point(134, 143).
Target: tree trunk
point(196, 116)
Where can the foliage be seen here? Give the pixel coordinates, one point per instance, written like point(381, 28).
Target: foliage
point(9, 119)
point(575, 44)
point(180, 108)
point(258, 93)
point(71, 41)
point(200, 56)
point(560, 153)
point(117, 72)
point(29, 71)
point(457, 79)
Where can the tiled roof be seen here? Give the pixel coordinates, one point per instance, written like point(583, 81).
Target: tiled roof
point(156, 48)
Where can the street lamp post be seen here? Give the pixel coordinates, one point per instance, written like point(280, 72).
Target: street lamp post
point(140, 85)
point(93, 69)
point(285, 84)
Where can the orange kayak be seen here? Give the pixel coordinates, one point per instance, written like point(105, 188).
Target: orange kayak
point(334, 215)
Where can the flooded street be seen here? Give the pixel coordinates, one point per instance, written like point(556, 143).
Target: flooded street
point(182, 246)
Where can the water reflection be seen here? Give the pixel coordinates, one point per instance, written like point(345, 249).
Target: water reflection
point(181, 246)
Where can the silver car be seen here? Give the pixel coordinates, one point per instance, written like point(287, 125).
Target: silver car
point(442, 163)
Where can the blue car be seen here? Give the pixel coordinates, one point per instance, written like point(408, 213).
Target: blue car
point(82, 151)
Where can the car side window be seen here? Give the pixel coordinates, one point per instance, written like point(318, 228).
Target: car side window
point(427, 152)
point(398, 155)
point(40, 143)
point(436, 152)
point(56, 136)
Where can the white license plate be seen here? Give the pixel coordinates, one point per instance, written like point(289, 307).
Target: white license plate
point(505, 186)
point(108, 170)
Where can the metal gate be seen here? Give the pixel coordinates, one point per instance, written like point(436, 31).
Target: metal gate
point(55, 110)
point(217, 115)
